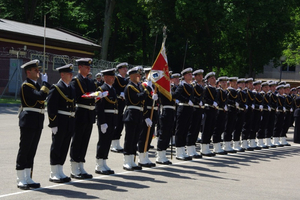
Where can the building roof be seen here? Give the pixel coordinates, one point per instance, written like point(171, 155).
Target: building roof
point(38, 31)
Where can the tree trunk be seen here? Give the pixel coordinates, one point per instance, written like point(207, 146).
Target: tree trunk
point(110, 4)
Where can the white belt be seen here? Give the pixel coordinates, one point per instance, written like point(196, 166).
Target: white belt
point(154, 108)
point(171, 107)
point(72, 114)
point(242, 109)
point(184, 104)
point(221, 109)
point(111, 111)
point(135, 107)
point(38, 110)
point(85, 106)
point(198, 106)
point(207, 105)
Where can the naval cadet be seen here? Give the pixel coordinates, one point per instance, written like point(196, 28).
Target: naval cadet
point(61, 114)
point(107, 116)
point(120, 83)
point(279, 117)
point(84, 118)
point(184, 93)
point(31, 120)
point(198, 111)
point(133, 116)
point(287, 115)
point(297, 118)
point(273, 105)
point(99, 80)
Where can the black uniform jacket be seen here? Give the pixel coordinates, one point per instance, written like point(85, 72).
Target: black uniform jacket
point(61, 98)
point(33, 95)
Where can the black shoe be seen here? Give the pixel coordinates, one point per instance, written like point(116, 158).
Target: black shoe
point(257, 148)
point(56, 180)
point(34, 185)
point(66, 179)
point(102, 172)
point(86, 176)
point(111, 171)
point(196, 156)
point(151, 147)
point(147, 165)
point(287, 145)
point(117, 150)
point(184, 158)
point(23, 187)
point(208, 154)
point(231, 151)
point(221, 153)
point(137, 168)
point(240, 150)
point(249, 149)
point(164, 163)
point(128, 168)
point(265, 147)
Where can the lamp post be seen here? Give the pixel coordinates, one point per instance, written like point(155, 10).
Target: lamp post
point(282, 59)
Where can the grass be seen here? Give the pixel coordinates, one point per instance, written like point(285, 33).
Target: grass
point(9, 100)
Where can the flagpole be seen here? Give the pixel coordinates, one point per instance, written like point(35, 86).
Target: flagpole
point(44, 44)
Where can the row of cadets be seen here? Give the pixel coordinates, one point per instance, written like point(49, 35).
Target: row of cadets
point(198, 111)
point(31, 120)
point(221, 100)
point(166, 121)
point(84, 118)
point(240, 117)
point(107, 119)
point(133, 116)
point(184, 94)
point(120, 83)
point(247, 124)
point(61, 114)
point(210, 110)
point(143, 159)
point(231, 114)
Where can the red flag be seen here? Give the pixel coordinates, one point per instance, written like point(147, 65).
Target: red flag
point(159, 73)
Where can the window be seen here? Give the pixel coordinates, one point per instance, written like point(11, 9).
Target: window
point(288, 68)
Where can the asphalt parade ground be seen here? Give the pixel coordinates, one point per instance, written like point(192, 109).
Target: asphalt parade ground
point(262, 174)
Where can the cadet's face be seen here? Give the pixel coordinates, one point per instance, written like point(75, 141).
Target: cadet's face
point(223, 84)
point(287, 90)
point(98, 79)
point(212, 80)
point(176, 81)
point(84, 70)
point(273, 88)
point(66, 77)
point(188, 77)
point(109, 79)
point(233, 84)
point(33, 73)
point(280, 91)
point(135, 78)
point(199, 78)
point(123, 71)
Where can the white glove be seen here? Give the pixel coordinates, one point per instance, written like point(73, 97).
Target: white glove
point(54, 130)
point(104, 128)
point(246, 106)
point(291, 110)
point(190, 103)
point(284, 109)
point(102, 94)
point(201, 104)
point(148, 122)
point(261, 107)
point(154, 97)
point(44, 77)
point(252, 106)
point(237, 104)
point(269, 108)
point(176, 101)
point(215, 104)
point(225, 108)
point(122, 95)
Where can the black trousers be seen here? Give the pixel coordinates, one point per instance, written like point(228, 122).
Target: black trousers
point(120, 124)
point(240, 118)
point(132, 131)
point(80, 141)
point(247, 125)
point(184, 117)
point(195, 126)
point(143, 136)
point(279, 117)
point(271, 123)
point(255, 123)
point(219, 126)
point(286, 123)
point(230, 124)
point(29, 140)
point(166, 120)
point(209, 124)
point(60, 146)
point(263, 125)
point(297, 129)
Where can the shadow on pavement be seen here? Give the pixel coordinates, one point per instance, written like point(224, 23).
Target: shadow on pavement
point(9, 109)
point(66, 193)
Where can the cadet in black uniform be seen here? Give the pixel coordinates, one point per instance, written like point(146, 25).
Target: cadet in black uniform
point(221, 115)
point(264, 116)
point(240, 116)
point(120, 83)
point(99, 80)
point(297, 118)
point(279, 117)
point(257, 111)
point(107, 116)
point(31, 120)
point(175, 80)
point(247, 125)
point(84, 118)
point(287, 115)
point(184, 93)
point(231, 114)
point(133, 116)
point(166, 121)
point(273, 105)
point(61, 114)
point(198, 110)
point(210, 110)
point(144, 160)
